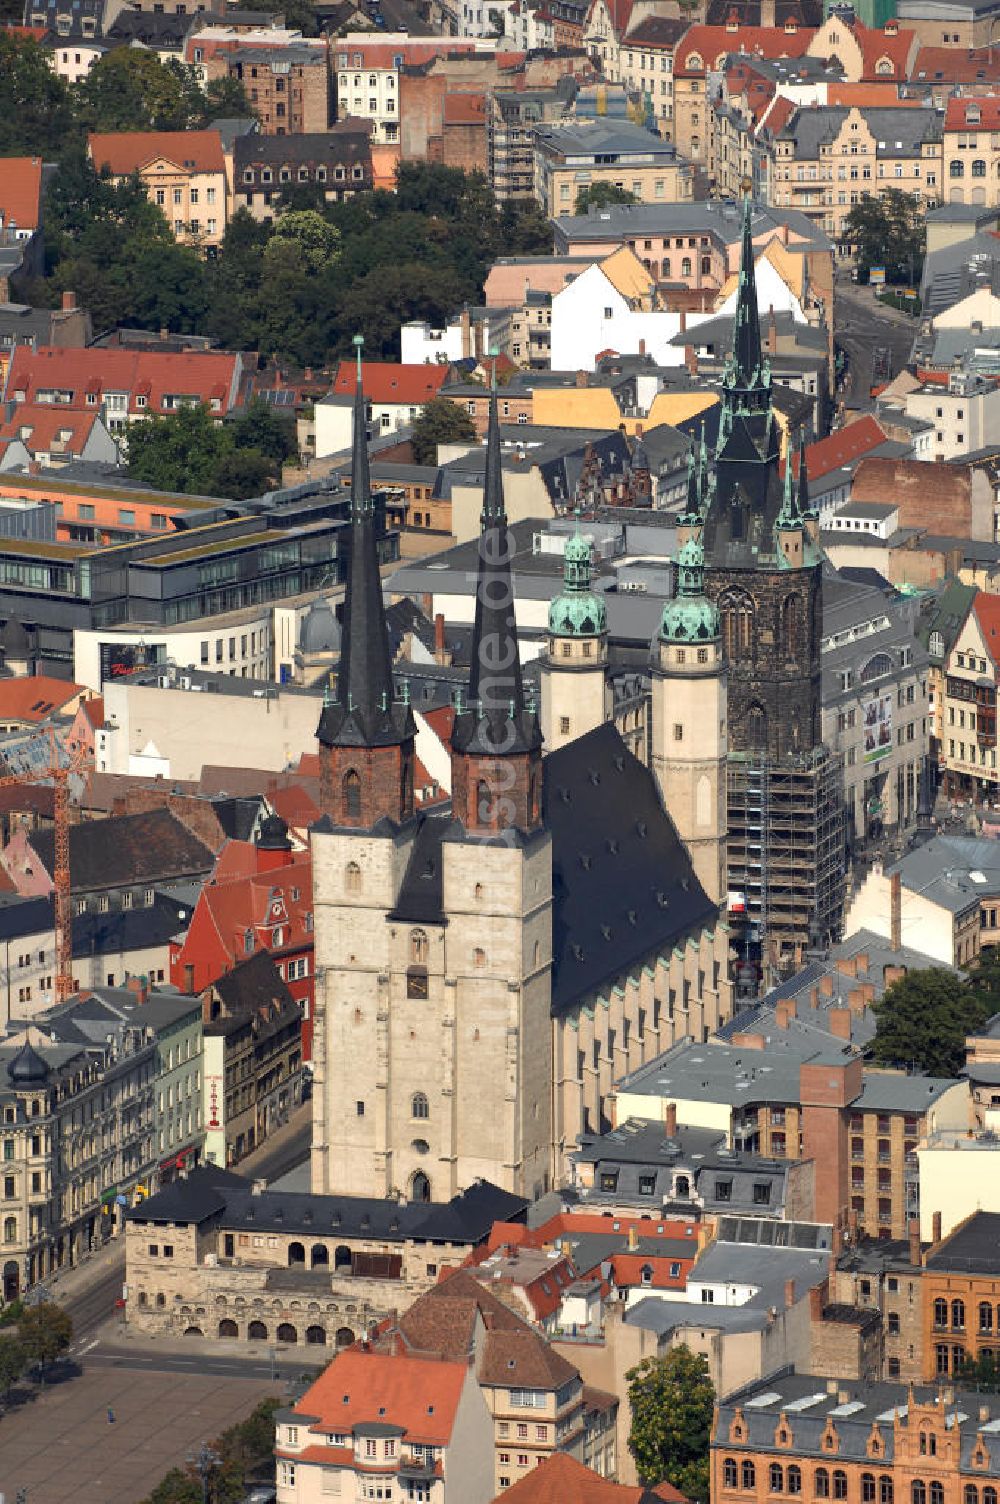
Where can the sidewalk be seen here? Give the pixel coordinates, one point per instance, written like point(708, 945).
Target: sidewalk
point(271, 1148)
point(65, 1284)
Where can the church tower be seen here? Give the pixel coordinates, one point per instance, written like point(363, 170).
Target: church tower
point(763, 569)
point(574, 669)
point(689, 720)
point(366, 735)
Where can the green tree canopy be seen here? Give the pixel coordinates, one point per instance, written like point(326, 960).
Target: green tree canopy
point(45, 1331)
point(441, 421)
point(923, 1019)
point(304, 233)
point(189, 451)
point(13, 1363)
point(35, 107)
point(889, 231)
point(601, 196)
point(129, 89)
point(672, 1400)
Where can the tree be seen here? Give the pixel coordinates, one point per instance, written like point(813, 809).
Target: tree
point(258, 427)
point(13, 1364)
point(601, 196)
point(45, 1331)
point(441, 421)
point(984, 978)
point(129, 89)
point(306, 235)
point(179, 452)
point(225, 99)
point(889, 231)
point(672, 1400)
point(35, 110)
point(923, 1019)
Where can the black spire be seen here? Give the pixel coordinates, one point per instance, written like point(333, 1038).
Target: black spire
point(805, 510)
point(495, 721)
point(365, 712)
point(747, 380)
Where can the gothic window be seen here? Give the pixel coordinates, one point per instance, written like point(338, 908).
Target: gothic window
point(958, 1315)
point(985, 1316)
point(794, 1480)
point(791, 624)
point(776, 1479)
point(420, 1187)
point(533, 810)
point(419, 1105)
point(352, 795)
point(749, 1475)
point(418, 947)
point(484, 803)
point(757, 728)
point(867, 1488)
point(736, 609)
point(821, 1486)
point(352, 878)
point(729, 1473)
point(839, 1483)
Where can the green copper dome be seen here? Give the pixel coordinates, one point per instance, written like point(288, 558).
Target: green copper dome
point(690, 616)
point(578, 611)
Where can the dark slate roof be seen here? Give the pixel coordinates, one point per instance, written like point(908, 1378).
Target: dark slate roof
point(623, 885)
point(972, 1249)
point(202, 1194)
point(466, 1218)
point(138, 928)
point(341, 147)
point(255, 983)
point(421, 897)
point(128, 849)
point(238, 816)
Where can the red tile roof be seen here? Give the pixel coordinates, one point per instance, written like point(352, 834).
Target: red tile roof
point(42, 427)
point(391, 383)
point(123, 152)
point(956, 116)
point(710, 43)
point(777, 117)
point(953, 65)
point(465, 109)
point(560, 1479)
point(868, 95)
point(880, 47)
point(35, 698)
point(841, 447)
point(421, 1395)
point(21, 191)
point(383, 54)
point(987, 609)
point(152, 375)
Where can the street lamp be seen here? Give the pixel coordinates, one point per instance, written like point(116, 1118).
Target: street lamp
point(206, 1462)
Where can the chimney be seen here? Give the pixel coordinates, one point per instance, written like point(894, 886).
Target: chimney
point(68, 302)
point(582, 378)
point(670, 1119)
point(691, 359)
point(440, 650)
point(936, 1228)
point(633, 1239)
point(642, 347)
point(856, 1000)
point(826, 986)
point(838, 1239)
point(895, 912)
point(683, 321)
point(259, 1187)
point(784, 1012)
point(839, 1020)
point(892, 974)
point(815, 1302)
point(466, 326)
point(862, 959)
point(139, 987)
point(914, 1235)
point(789, 1294)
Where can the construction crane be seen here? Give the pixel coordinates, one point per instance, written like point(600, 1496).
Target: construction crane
point(58, 772)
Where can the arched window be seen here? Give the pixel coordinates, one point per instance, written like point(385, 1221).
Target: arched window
point(756, 728)
point(666, 267)
point(989, 1494)
point(419, 1105)
point(940, 1312)
point(257, 1331)
point(228, 1329)
point(646, 1274)
point(956, 169)
point(867, 1488)
point(839, 1483)
point(352, 878)
point(736, 610)
point(686, 267)
point(296, 1254)
point(985, 1316)
point(884, 67)
point(878, 665)
point(484, 802)
point(791, 624)
point(918, 1492)
point(730, 1476)
point(479, 957)
point(885, 1489)
point(971, 1494)
point(937, 1492)
point(351, 795)
point(776, 1478)
point(418, 947)
point(420, 1187)
point(748, 1475)
point(793, 1479)
point(695, 145)
point(821, 1483)
point(958, 1315)
point(319, 1256)
point(978, 168)
point(928, 1443)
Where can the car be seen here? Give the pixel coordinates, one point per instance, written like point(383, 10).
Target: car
point(262, 1493)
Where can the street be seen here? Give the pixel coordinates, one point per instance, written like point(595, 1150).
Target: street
point(286, 1147)
point(861, 327)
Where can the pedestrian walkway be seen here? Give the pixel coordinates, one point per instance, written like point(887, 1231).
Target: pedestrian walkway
point(64, 1285)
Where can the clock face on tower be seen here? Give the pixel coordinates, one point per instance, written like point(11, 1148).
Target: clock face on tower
point(416, 982)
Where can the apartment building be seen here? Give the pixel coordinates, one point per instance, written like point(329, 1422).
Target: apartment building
point(785, 1096)
point(268, 168)
point(968, 748)
point(366, 75)
point(646, 65)
point(80, 1123)
point(972, 151)
point(961, 1305)
point(569, 158)
point(961, 408)
point(183, 172)
point(828, 158)
point(286, 76)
